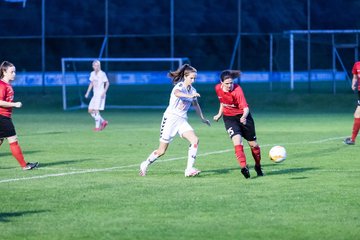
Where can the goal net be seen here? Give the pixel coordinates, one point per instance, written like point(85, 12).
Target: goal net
point(131, 79)
point(324, 54)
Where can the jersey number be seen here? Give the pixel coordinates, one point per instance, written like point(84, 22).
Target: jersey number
point(230, 131)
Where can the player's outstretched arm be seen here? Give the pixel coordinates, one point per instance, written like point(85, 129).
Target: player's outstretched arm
point(10, 104)
point(354, 82)
point(107, 84)
point(244, 116)
point(199, 113)
point(219, 115)
point(88, 90)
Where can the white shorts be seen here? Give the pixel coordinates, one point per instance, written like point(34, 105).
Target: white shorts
point(97, 102)
point(171, 125)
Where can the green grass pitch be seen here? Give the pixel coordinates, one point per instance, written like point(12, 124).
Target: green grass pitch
point(88, 187)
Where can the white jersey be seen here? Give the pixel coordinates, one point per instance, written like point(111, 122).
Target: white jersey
point(180, 106)
point(98, 79)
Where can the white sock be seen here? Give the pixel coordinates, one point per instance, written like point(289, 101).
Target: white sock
point(101, 119)
point(97, 118)
point(192, 155)
point(152, 158)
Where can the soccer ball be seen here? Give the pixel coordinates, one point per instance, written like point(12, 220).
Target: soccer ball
point(277, 154)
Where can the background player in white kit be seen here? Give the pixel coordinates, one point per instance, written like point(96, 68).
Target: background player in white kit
point(100, 84)
point(174, 120)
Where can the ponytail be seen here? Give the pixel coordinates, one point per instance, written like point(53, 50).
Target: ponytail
point(180, 73)
point(229, 74)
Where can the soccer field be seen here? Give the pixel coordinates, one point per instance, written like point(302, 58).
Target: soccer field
point(88, 187)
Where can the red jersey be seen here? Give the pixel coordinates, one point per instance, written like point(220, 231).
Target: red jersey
point(7, 95)
point(356, 71)
point(233, 102)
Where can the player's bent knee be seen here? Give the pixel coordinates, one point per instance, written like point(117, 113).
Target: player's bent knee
point(195, 141)
point(12, 139)
point(357, 112)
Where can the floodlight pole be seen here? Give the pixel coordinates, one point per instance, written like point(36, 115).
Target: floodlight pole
point(43, 62)
point(333, 62)
point(309, 45)
point(239, 34)
point(106, 26)
point(172, 50)
point(106, 39)
point(271, 62)
point(357, 48)
point(291, 61)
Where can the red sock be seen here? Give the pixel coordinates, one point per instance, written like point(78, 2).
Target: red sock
point(356, 128)
point(240, 155)
point(256, 155)
point(17, 153)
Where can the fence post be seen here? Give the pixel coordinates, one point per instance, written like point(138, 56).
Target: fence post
point(291, 61)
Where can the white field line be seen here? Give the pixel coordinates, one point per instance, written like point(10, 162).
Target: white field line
point(137, 165)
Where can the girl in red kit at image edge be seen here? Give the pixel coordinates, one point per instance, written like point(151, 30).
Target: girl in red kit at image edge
point(355, 86)
point(7, 129)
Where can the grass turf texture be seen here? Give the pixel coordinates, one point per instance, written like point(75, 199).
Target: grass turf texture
point(87, 186)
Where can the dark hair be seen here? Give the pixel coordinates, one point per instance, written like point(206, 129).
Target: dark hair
point(181, 72)
point(229, 74)
point(4, 66)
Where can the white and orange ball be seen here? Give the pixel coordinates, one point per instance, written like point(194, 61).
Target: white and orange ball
point(277, 154)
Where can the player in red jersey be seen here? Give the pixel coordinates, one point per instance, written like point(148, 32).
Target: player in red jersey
point(237, 119)
point(355, 85)
point(7, 129)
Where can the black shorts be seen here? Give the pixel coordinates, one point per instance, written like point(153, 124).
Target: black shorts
point(233, 126)
point(7, 128)
point(358, 102)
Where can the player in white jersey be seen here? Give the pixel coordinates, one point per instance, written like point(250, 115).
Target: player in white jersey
point(174, 120)
point(100, 84)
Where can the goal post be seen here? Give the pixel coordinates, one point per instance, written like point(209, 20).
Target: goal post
point(325, 45)
point(122, 73)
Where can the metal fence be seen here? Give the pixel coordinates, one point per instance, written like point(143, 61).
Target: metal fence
point(36, 35)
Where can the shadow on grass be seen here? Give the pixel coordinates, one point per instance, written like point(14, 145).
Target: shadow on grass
point(25, 153)
point(48, 133)
point(290, 171)
point(227, 170)
point(298, 178)
point(221, 171)
point(7, 154)
point(266, 173)
point(66, 162)
point(6, 216)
